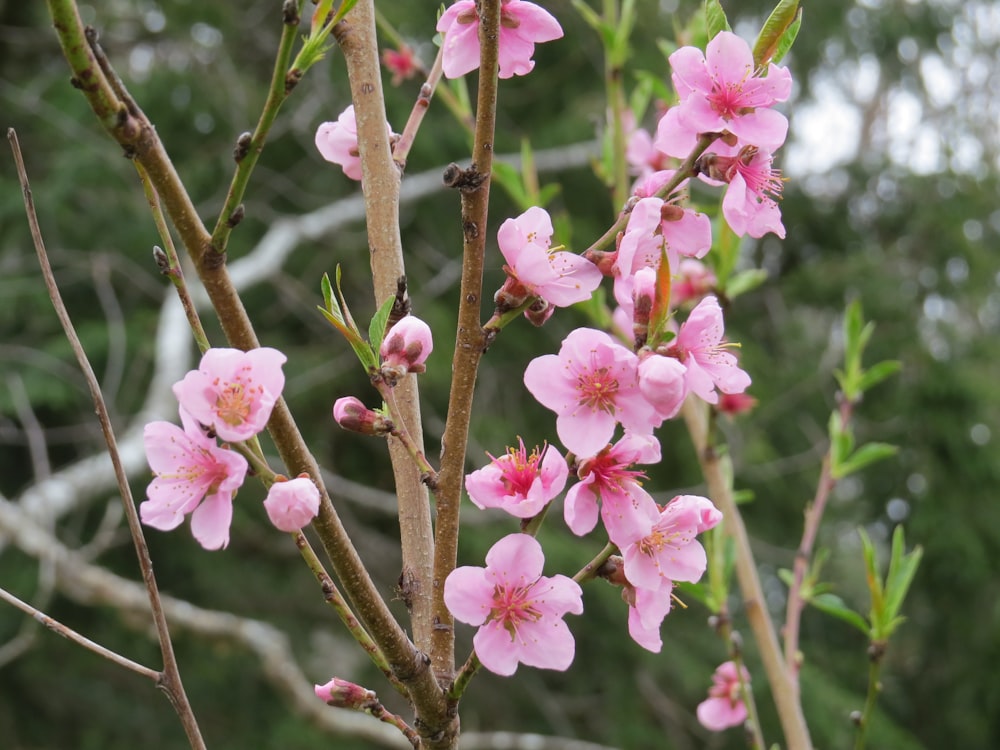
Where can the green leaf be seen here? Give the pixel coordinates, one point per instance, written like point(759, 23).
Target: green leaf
point(834, 606)
point(589, 15)
point(873, 577)
point(715, 18)
point(745, 281)
point(902, 569)
point(509, 178)
point(376, 329)
point(345, 324)
point(867, 454)
point(328, 300)
point(786, 576)
point(787, 39)
point(784, 19)
point(877, 373)
point(697, 591)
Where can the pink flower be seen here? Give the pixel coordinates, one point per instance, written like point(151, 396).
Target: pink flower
point(656, 227)
point(720, 90)
point(338, 142)
point(663, 382)
point(559, 278)
point(344, 694)
point(232, 392)
point(628, 510)
point(749, 204)
point(522, 25)
point(670, 551)
point(518, 610)
point(700, 348)
point(192, 475)
point(405, 348)
point(733, 404)
point(724, 706)
point(591, 385)
point(519, 483)
point(402, 63)
point(292, 504)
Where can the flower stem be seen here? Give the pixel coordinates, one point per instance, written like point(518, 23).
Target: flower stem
point(874, 688)
point(589, 571)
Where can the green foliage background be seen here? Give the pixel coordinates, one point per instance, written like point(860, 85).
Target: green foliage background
point(916, 245)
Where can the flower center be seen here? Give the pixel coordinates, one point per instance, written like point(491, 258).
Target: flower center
point(233, 404)
point(511, 606)
point(597, 389)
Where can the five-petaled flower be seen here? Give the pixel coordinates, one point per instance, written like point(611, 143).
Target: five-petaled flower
point(721, 90)
point(233, 392)
point(560, 278)
point(522, 25)
point(518, 610)
point(192, 475)
point(518, 482)
point(591, 385)
point(724, 706)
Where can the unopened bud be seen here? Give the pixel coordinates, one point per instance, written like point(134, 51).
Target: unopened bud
point(292, 504)
point(662, 383)
point(857, 718)
point(353, 415)
point(344, 694)
point(405, 349)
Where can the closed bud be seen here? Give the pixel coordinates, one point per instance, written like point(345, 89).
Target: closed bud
point(662, 383)
point(292, 504)
point(539, 312)
point(344, 694)
point(353, 415)
point(405, 349)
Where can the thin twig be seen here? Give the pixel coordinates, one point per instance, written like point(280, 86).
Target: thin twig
point(71, 635)
point(170, 679)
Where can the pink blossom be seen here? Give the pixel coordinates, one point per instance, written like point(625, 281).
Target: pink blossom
point(232, 392)
point(700, 348)
point(627, 509)
point(656, 227)
point(518, 610)
point(749, 204)
point(559, 278)
point(724, 706)
point(733, 404)
point(192, 475)
point(670, 550)
point(338, 142)
point(693, 281)
point(292, 504)
point(405, 348)
point(522, 25)
point(721, 91)
point(663, 382)
point(519, 483)
point(591, 385)
point(402, 63)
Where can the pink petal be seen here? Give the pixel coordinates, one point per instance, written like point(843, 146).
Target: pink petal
point(546, 644)
point(728, 58)
point(496, 649)
point(468, 595)
point(211, 520)
point(716, 714)
point(580, 508)
point(537, 24)
point(517, 558)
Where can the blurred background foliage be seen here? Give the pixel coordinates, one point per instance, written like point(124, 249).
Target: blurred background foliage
point(892, 199)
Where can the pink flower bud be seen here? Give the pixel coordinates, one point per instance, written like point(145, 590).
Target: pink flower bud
point(292, 504)
point(344, 694)
point(735, 403)
point(405, 348)
point(402, 63)
point(662, 383)
point(353, 415)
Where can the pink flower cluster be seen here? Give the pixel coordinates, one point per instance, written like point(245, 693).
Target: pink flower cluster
point(723, 93)
point(725, 706)
point(230, 396)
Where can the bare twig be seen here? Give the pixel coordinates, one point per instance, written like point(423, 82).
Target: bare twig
point(170, 679)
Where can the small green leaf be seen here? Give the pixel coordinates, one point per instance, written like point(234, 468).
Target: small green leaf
point(902, 569)
point(376, 329)
point(715, 18)
point(787, 577)
point(877, 373)
point(833, 605)
point(787, 39)
point(783, 18)
point(697, 591)
point(328, 300)
point(872, 577)
point(867, 454)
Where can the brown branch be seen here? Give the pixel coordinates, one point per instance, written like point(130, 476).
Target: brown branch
point(474, 184)
point(138, 137)
point(786, 696)
point(170, 679)
point(380, 182)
